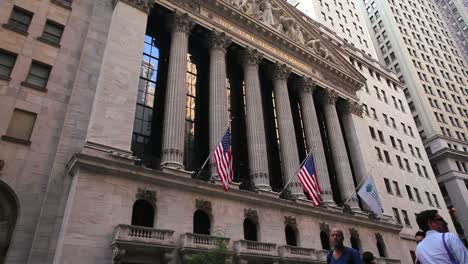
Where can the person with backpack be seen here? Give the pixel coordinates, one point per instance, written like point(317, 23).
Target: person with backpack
point(438, 246)
point(341, 254)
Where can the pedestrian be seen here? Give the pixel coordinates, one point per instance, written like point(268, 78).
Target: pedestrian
point(438, 246)
point(419, 236)
point(341, 254)
point(368, 258)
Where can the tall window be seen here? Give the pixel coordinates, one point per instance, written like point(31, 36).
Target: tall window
point(143, 213)
point(145, 100)
point(201, 223)
point(250, 230)
point(189, 148)
point(291, 236)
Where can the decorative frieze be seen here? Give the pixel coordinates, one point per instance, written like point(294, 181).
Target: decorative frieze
point(143, 5)
point(219, 40)
point(280, 72)
point(251, 214)
point(145, 194)
point(252, 56)
point(203, 205)
point(330, 96)
point(353, 108)
point(181, 22)
point(290, 220)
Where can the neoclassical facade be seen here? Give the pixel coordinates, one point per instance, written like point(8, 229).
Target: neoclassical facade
point(155, 87)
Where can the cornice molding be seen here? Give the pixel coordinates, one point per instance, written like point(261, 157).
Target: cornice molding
point(219, 40)
point(100, 162)
point(142, 5)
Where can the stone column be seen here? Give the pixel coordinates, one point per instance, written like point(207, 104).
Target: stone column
point(256, 139)
point(456, 189)
point(314, 138)
point(114, 104)
point(174, 116)
point(218, 96)
point(287, 135)
point(352, 118)
point(338, 149)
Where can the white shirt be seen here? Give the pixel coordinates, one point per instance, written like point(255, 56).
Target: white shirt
point(431, 249)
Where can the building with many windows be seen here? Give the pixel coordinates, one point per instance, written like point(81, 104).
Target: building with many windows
point(455, 13)
point(395, 154)
point(413, 40)
point(109, 110)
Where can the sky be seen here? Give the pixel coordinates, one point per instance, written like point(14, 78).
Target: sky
point(305, 6)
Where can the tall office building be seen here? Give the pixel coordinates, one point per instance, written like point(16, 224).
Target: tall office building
point(396, 155)
point(455, 13)
point(107, 108)
point(413, 40)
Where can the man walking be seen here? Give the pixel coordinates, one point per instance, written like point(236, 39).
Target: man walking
point(341, 254)
point(438, 246)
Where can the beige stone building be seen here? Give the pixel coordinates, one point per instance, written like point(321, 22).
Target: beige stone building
point(108, 109)
point(394, 152)
point(414, 40)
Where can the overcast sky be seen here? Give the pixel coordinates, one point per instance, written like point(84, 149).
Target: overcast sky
point(305, 6)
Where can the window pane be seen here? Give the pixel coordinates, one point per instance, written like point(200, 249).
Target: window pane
point(21, 125)
point(37, 81)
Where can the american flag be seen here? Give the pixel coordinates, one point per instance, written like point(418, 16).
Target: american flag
point(223, 159)
point(308, 178)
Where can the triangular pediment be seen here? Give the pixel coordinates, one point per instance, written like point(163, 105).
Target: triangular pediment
point(284, 34)
point(292, 24)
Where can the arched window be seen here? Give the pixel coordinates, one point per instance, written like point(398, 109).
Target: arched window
point(291, 238)
point(354, 239)
point(201, 223)
point(324, 238)
point(250, 230)
point(8, 215)
point(143, 213)
point(381, 245)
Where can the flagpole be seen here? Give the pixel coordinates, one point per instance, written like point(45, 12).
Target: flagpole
point(359, 185)
point(295, 173)
point(212, 150)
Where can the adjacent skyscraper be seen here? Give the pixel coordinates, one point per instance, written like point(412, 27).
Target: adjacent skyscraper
point(396, 153)
point(456, 14)
point(413, 40)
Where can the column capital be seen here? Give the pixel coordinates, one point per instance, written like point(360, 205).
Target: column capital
point(280, 71)
point(353, 108)
point(330, 96)
point(181, 22)
point(307, 85)
point(219, 40)
point(252, 56)
point(143, 5)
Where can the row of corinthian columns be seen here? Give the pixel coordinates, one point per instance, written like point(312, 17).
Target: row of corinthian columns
point(111, 123)
point(173, 137)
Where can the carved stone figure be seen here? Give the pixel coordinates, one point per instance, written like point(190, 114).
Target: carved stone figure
point(299, 35)
point(314, 45)
point(266, 12)
point(327, 55)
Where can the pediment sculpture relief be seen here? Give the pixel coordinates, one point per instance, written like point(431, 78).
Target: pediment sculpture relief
point(277, 19)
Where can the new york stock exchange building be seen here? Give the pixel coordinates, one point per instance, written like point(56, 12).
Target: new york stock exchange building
point(172, 76)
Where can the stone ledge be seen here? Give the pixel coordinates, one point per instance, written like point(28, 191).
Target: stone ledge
point(104, 164)
point(9, 27)
point(16, 140)
point(51, 43)
point(32, 86)
point(61, 4)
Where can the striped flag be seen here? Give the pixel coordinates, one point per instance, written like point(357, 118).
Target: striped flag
point(223, 159)
point(308, 178)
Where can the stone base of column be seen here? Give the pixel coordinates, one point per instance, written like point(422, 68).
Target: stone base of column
point(298, 197)
point(233, 185)
point(179, 172)
point(268, 193)
point(329, 203)
point(262, 188)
